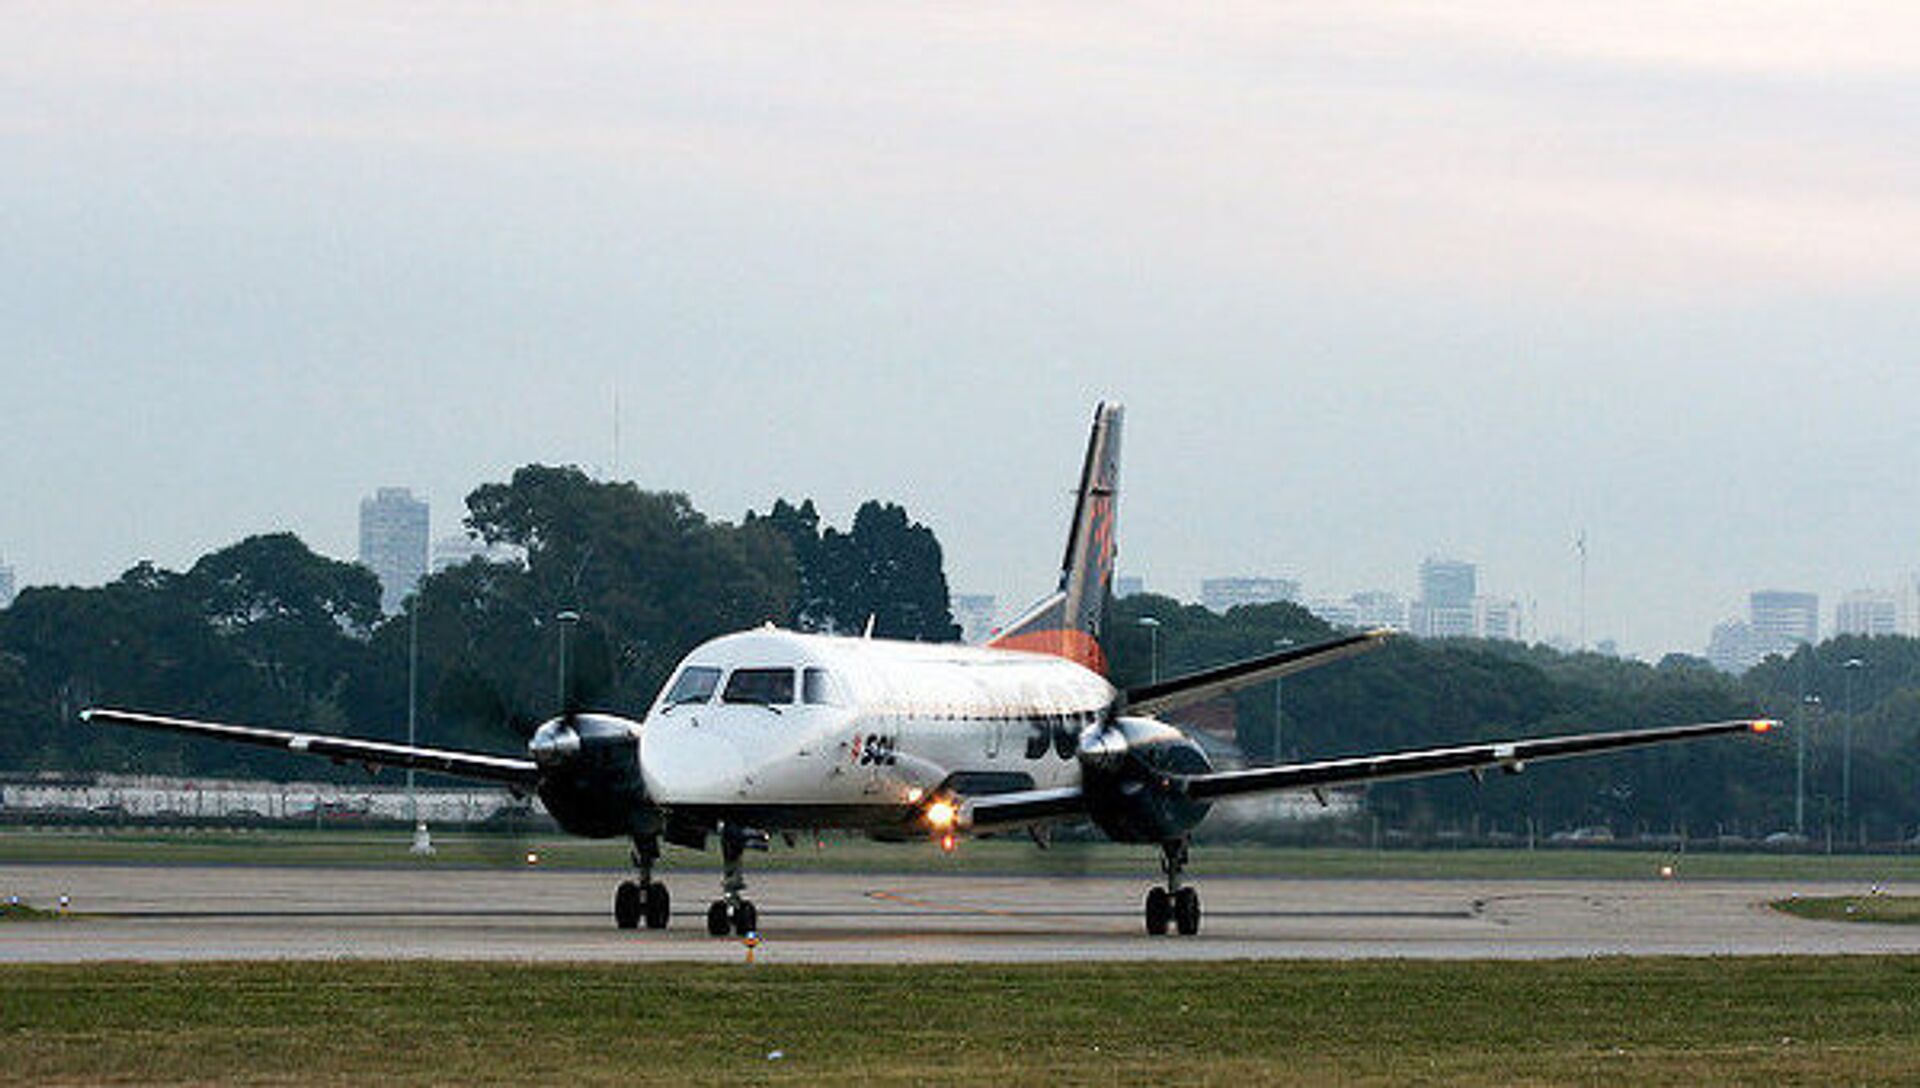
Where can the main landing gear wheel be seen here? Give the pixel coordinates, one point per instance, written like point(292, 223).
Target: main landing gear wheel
point(628, 902)
point(658, 906)
point(1174, 903)
point(1186, 911)
point(1159, 912)
point(717, 921)
point(745, 918)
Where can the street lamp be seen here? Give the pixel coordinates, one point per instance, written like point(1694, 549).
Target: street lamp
point(1153, 646)
point(1809, 706)
point(1279, 704)
point(1852, 665)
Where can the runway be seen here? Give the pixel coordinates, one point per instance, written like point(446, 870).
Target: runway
point(259, 913)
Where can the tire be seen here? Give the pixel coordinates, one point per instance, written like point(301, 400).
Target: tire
point(1186, 912)
point(1159, 911)
point(626, 905)
point(659, 906)
point(717, 920)
point(746, 919)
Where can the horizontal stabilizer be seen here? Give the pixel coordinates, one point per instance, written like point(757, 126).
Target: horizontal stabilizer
point(1025, 808)
point(1227, 679)
point(515, 772)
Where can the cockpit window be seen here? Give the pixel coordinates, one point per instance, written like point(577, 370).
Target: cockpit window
point(695, 684)
point(767, 687)
point(819, 688)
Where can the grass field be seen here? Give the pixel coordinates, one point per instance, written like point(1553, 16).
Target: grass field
point(1671, 1021)
point(357, 848)
point(1890, 909)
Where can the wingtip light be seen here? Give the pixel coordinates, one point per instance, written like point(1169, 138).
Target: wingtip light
point(1763, 725)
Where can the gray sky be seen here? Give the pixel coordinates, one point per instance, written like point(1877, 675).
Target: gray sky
point(1375, 281)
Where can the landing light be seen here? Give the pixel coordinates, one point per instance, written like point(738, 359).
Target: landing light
point(940, 815)
point(946, 842)
point(533, 857)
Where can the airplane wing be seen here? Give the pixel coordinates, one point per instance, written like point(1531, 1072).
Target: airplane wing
point(1225, 680)
point(1509, 755)
point(1041, 806)
point(515, 772)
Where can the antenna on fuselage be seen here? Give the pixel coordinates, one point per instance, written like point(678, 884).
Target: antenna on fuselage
point(868, 633)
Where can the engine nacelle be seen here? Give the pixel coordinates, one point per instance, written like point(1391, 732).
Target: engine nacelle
point(590, 775)
point(1128, 770)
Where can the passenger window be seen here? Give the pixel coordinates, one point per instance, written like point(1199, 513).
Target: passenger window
point(819, 688)
point(766, 687)
point(695, 684)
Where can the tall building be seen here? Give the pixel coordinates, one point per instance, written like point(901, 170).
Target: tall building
point(1783, 619)
point(393, 542)
point(976, 614)
point(1867, 612)
point(1445, 608)
point(6, 585)
point(1224, 594)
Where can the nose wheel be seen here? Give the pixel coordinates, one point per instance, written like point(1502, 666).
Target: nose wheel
point(1174, 904)
point(733, 912)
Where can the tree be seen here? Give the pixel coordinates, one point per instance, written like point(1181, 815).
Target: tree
point(887, 567)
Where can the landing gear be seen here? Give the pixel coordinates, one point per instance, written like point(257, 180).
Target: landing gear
point(733, 912)
point(1174, 903)
point(642, 900)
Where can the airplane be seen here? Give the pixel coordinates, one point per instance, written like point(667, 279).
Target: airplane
point(770, 731)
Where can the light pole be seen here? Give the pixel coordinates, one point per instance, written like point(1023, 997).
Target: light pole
point(1809, 704)
point(1153, 646)
point(1852, 665)
point(422, 841)
point(1279, 705)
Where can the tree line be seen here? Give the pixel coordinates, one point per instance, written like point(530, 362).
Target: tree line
point(266, 631)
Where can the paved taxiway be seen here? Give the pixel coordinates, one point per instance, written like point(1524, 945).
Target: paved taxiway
point(187, 913)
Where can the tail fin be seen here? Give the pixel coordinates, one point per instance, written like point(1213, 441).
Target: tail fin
point(1067, 623)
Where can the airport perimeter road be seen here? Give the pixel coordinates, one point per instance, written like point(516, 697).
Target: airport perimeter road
point(233, 912)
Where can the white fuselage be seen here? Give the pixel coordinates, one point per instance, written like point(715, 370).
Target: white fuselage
point(860, 731)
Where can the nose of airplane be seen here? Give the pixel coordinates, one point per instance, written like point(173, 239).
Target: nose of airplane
point(687, 763)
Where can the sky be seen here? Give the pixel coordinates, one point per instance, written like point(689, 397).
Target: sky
point(1376, 281)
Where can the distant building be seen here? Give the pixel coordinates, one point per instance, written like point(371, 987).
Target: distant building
point(1778, 622)
point(1224, 594)
point(1446, 605)
point(393, 542)
point(1365, 611)
point(1784, 618)
point(1378, 608)
point(1336, 613)
point(1129, 585)
point(1734, 647)
point(976, 614)
point(456, 548)
point(1498, 619)
point(1867, 612)
point(7, 588)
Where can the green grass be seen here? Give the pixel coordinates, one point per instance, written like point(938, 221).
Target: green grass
point(1672, 1021)
point(1890, 909)
point(24, 912)
point(366, 848)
